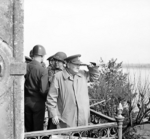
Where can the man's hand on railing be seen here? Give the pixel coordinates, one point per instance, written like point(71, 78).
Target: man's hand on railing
point(55, 120)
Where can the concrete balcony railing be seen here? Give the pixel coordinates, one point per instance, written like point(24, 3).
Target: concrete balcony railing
point(110, 129)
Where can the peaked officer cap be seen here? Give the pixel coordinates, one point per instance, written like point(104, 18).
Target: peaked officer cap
point(74, 59)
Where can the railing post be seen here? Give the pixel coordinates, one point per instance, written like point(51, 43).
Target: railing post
point(119, 119)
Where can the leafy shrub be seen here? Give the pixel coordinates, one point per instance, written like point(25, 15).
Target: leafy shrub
point(114, 87)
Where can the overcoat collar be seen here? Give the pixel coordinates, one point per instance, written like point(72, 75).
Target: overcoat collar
point(66, 75)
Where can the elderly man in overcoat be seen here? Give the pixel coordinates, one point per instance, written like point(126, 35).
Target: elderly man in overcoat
point(68, 99)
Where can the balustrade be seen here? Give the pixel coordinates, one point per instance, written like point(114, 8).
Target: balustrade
point(101, 126)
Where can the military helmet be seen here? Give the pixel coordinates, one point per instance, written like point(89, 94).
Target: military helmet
point(60, 56)
point(39, 50)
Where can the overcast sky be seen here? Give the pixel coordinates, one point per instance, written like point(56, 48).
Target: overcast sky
point(93, 28)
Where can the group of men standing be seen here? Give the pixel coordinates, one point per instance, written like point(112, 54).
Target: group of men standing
point(61, 88)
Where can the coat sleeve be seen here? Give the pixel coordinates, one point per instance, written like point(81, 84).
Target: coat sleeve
point(44, 84)
point(93, 74)
point(52, 96)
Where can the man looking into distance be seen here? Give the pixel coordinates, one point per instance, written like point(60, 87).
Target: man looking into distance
point(67, 99)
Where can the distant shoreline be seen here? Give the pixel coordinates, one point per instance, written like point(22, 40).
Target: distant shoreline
point(136, 65)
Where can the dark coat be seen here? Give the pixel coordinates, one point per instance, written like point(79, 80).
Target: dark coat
point(36, 83)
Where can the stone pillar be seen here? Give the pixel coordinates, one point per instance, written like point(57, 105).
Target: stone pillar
point(12, 70)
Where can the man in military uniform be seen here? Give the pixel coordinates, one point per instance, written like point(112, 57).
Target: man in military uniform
point(36, 88)
point(68, 99)
point(31, 56)
point(58, 66)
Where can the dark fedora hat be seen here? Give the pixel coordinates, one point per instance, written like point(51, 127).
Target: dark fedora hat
point(74, 59)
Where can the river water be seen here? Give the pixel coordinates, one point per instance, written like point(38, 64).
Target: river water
point(138, 75)
point(140, 78)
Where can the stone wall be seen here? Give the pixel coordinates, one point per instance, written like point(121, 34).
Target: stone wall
point(12, 70)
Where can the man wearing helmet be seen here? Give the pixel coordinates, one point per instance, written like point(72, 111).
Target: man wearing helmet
point(58, 66)
point(31, 56)
point(36, 88)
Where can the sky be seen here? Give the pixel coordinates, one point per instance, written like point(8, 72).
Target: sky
point(93, 28)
